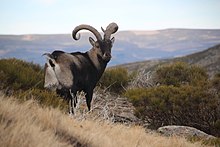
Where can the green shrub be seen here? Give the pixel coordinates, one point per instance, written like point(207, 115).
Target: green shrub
point(180, 73)
point(216, 82)
point(115, 79)
point(183, 97)
point(20, 75)
point(169, 105)
point(24, 80)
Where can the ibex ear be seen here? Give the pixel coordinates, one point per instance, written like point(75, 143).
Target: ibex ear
point(113, 40)
point(103, 29)
point(92, 41)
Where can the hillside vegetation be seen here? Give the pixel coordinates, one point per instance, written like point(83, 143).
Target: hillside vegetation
point(208, 59)
point(28, 124)
point(25, 81)
point(182, 95)
point(155, 99)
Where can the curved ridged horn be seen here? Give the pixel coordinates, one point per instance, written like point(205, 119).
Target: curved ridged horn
point(86, 27)
point(110, 29)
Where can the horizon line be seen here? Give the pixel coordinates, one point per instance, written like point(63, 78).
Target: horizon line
point(126, 30)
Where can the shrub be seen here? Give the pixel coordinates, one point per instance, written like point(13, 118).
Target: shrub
point(169, 105)
point(20, 75)
point(24, 80)
point(115, 79)
point(216, 82)
point(180, 73)
point(142, 79)
point(183, 97)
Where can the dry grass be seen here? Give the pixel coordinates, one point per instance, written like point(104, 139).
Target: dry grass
point(142, 79)
point(106, 107)
point(27, 124)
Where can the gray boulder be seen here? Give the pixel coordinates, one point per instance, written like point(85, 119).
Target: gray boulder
point(183, 131)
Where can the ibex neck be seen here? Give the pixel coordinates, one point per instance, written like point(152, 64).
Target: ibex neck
point(99, 64)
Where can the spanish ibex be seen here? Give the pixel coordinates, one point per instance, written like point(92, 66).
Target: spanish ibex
point(68, 73)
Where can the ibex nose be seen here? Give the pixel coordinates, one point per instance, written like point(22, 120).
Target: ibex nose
point(108, 55)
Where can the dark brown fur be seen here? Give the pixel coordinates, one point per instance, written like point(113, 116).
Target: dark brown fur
point(81, 71)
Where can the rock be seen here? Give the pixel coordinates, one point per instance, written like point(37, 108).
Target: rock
point(183, 131)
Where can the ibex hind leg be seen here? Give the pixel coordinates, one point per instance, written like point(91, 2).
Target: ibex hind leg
point(89, 99)
point(71, 109)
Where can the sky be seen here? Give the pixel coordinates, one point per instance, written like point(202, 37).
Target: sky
point(62, 16)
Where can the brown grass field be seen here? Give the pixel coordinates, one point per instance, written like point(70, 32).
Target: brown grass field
point(29, 125)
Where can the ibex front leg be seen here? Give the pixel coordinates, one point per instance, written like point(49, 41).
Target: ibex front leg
point(72, 102)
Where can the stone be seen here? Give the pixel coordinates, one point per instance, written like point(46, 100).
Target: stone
point(183, 131)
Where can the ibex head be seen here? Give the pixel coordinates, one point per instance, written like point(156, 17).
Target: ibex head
point(101, 46)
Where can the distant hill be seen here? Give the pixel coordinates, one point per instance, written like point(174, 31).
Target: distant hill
point(130, 46)
point(209, 59)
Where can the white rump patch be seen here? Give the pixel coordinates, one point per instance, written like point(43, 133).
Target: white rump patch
point(51, 81)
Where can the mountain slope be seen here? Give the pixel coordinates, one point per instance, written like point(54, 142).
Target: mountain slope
point(130, 46)
point(209, 59)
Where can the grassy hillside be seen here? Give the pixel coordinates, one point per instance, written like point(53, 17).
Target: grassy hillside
point(28, 124)
point(33, 113)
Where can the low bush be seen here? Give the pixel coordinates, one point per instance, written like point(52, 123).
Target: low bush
point(142, 79)
point(115, 79)
point(216, 82)
point(20, 75)
point(180, 99)
point(169, 105)
point(180, 73)
point(24, 81)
